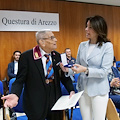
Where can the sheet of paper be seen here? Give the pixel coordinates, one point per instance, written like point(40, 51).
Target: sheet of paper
point(64, 102)
point(64, 59)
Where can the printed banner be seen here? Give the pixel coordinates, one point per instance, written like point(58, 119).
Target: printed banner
point(28, 21)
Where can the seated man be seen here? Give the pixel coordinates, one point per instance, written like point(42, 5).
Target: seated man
point(70, 60)
point(114, 79)
point(13, 66)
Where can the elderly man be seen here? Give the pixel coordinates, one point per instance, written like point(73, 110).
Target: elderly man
point(41, 82)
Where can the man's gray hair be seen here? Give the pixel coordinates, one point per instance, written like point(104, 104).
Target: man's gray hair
point(41, 34)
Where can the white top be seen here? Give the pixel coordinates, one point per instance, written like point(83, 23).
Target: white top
point(15, 67)
point(44, 60)
point(90, 49)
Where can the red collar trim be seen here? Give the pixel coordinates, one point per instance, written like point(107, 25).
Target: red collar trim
point(36, 53)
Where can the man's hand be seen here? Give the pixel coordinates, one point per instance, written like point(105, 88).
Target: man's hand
point(11, 100)
point(71, 93)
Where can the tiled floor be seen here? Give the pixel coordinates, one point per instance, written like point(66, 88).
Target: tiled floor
point(7, 112)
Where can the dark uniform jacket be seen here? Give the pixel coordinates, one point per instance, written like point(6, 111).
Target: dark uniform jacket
point(11, 70)
point(31, 74)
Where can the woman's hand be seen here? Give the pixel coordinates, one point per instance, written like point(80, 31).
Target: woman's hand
point(78, 68)
point(64, 69)
point(115, 82)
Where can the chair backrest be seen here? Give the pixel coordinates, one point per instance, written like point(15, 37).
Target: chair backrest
point(117, 64)
point(76, 76)
point(65, 92)
point(1, 88)
point(10, 83)
point(5, 86)
point(111, 112)
point(76, 114)
point(2, 101)
point(19, 107)
point(1, 93)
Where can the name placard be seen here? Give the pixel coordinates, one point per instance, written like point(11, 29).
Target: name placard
point(28, 21)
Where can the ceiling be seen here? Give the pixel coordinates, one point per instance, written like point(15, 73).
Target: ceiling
point(105, 2)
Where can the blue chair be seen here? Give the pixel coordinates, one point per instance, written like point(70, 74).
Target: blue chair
point(118, 110)
point(1, 101)
point(1, 93)
point(72, 113)
point(117, 64)
point(76, 75)
point(19, 107)
point(65, 92)
point(1, 87)
point(76, 114)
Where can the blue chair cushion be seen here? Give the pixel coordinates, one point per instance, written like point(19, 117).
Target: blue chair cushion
point(76, 114)
point(22, 117)
point(117, 64)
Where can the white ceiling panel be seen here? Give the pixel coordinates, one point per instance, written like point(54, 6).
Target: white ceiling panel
point(105, 2)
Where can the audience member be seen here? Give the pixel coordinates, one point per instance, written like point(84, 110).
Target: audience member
point(70, 60)
point(114, 79)
point(114, 61)
point(94, 61)
point(13, 66)
point(41, 89)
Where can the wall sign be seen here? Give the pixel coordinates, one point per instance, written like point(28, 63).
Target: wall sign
point(28, 21)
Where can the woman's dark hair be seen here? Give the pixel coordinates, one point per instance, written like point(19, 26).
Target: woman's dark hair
point(100, 27)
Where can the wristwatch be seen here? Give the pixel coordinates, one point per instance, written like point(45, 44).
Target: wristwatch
point(87, 72)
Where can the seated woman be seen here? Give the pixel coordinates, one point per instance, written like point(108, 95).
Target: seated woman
point(114, 79)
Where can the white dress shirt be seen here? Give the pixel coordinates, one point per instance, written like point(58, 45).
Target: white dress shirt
point(44, 60)
point(15, 67)
point(90, 49)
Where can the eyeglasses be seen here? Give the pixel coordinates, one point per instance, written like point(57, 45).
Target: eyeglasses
point(51, 38)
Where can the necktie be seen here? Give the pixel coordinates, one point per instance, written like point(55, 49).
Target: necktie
point(50, 72)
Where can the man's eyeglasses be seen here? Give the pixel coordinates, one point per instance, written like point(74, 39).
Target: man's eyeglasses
point(51, 38)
